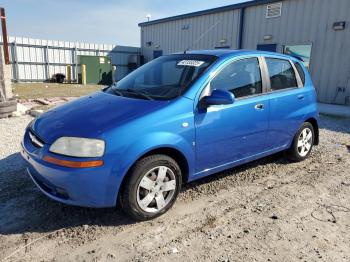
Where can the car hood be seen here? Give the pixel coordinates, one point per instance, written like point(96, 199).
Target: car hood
point(89, 116)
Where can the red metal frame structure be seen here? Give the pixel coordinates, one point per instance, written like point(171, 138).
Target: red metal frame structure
point(4, 36)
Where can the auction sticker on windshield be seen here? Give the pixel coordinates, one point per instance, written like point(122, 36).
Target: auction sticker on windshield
point(195, 63)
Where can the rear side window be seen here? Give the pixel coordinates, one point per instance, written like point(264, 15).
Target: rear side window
point(242, 78)
point(281, 73)
point(300, 72)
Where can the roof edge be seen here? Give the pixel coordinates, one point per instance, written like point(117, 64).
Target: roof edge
point(209, 11)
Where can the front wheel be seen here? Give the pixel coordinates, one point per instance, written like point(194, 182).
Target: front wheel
point(302, 143)
point(152, 187)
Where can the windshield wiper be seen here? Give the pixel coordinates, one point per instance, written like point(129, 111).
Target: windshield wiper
point(137, 93)
point(116, 92)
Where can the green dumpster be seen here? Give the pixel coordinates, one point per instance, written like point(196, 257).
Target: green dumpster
point(99, 69)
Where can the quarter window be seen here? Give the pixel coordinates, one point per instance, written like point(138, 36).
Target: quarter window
point(242, 78)
point(281, 73)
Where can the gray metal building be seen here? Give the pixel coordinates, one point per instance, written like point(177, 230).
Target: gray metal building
point(315, 30)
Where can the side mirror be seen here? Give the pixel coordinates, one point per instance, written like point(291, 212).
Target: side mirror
point(219, 97)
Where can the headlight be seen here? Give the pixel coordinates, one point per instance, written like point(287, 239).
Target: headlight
point(78, 147)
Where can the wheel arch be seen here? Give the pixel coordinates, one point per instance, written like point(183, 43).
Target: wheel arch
point(174, 153)
point(314, 124)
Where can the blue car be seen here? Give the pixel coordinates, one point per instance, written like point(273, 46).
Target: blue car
point(176, 119)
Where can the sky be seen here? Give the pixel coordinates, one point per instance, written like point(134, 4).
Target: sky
point(93, 21)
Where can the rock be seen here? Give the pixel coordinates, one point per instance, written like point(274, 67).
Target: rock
point(21, 110)
point(274, 217)
point(174, 250)
point(16, 114)
point(36, 112)
point(42, 101)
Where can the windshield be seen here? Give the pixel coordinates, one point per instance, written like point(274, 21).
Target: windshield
point(163, 78)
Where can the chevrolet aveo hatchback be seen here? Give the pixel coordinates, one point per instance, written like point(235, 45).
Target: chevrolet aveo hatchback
point(176, 119)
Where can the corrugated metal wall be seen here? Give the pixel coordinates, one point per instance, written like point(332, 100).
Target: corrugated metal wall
point(302, 22)
point(309, 22)
point(36, 60)
point(173, 36)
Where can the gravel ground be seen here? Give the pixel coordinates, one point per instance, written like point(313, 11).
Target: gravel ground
point(268, 210)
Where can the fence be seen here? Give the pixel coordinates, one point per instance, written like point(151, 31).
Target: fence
point(36, 60)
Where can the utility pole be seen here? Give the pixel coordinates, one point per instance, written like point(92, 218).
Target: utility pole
point(4, 35)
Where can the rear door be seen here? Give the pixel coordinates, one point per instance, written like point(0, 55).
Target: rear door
point(229, 133)
point(287, 101)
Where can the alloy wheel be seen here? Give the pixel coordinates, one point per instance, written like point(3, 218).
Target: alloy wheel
point(156, 189)
point(305, 141)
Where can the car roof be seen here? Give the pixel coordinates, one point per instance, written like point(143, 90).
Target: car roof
point(233, 52)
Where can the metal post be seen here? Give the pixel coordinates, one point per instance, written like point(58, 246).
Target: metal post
point(4, 36)
point(241, 29)
point(69, 74)
point(75, 55)
point(46, 61)
point(83, 74)
point(30, 66)
point(15, 62)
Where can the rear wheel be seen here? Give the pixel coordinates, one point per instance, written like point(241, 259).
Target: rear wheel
point(152, 187)
point(302, 143)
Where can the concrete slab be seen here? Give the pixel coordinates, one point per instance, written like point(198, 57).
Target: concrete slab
point(334, 110)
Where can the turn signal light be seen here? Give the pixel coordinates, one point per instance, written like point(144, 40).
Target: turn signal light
point(73, 164)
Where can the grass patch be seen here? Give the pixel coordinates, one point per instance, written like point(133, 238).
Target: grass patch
point(50, 90)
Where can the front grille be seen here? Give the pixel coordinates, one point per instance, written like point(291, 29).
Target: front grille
point(36, 141)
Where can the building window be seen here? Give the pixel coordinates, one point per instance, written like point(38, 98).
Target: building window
point(302, 52)
point(274, 10)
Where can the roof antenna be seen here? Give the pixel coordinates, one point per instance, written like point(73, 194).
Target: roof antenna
point(202, 35)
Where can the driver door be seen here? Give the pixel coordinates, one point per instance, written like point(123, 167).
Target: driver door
point(226, 134)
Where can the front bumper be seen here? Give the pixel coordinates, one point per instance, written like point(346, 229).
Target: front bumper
point(88, 187)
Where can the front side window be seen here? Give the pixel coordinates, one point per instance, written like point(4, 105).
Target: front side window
point(281, 73)
point(163, 78)
point(242, 78)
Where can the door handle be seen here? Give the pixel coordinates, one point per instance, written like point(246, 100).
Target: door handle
point(301, 97)
point(259, 107)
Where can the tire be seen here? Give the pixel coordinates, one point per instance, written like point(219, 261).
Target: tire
point(8, 103)
point(8, 109)
point(148, 173)
point(302, 146)
point(5, 115)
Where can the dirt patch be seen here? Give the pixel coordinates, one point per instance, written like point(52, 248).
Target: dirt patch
point(49, 90)
point(268, 210)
